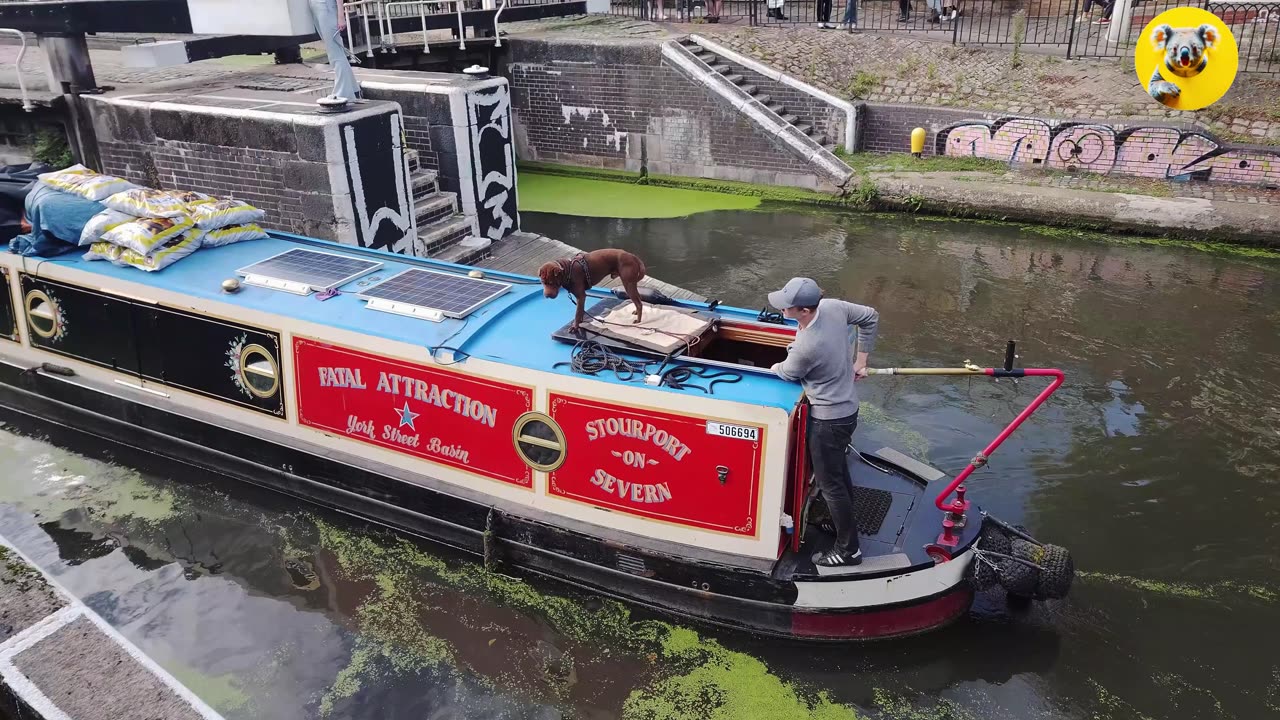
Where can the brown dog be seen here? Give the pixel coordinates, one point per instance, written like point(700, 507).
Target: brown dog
point(581, 272)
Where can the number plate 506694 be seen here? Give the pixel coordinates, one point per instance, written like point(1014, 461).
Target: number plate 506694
point(737, 432)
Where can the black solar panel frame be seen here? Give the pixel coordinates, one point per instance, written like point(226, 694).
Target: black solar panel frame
point(258, 268)
point(453, 311)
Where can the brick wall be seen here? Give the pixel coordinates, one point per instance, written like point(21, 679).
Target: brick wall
point(621, 106)
point(278, 166)
point(255, 176)
point(887, 128)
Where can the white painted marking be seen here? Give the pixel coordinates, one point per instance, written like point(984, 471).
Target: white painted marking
point(859, 593)
point(73, 611)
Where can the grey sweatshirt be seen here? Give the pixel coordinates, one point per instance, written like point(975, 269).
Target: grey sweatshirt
point(821, 358)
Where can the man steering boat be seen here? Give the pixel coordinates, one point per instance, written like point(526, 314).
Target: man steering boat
point(823, 360)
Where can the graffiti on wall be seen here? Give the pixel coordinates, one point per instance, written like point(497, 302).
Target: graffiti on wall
point(493, 161)
point(1152, 152)
point(376, 182)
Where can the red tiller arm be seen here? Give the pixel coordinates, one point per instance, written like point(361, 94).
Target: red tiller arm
point(981, 458)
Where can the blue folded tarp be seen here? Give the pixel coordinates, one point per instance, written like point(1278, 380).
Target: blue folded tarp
point(57, 218)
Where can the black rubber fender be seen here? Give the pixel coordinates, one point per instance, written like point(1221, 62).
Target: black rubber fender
point(1020, 579)
point(1057, 572)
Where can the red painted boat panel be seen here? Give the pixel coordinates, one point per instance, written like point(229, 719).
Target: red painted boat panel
point(660, 465)
point(885, 623)
point(457, 420)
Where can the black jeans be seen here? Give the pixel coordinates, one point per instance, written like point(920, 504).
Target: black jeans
point(824, 10)
point(828, 447)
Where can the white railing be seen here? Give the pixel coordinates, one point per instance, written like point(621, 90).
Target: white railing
point(381, 13)
point(22, 85)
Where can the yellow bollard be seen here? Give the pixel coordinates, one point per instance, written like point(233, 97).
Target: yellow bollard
point(917, 142)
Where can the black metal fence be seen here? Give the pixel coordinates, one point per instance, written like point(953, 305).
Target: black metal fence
point(1073, 28)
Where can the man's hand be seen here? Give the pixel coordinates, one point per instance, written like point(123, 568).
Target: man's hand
point(860, 367)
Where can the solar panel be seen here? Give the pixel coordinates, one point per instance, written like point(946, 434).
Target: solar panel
point(306, 271)
point(432, 295)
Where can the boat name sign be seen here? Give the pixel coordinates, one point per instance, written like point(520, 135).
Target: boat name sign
point(412, 409)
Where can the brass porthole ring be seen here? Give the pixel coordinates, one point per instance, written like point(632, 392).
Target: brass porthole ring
point(538, 451)
point(259, 371)
point(42, 314)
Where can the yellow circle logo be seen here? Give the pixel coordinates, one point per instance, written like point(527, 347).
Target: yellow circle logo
point(1186, 58)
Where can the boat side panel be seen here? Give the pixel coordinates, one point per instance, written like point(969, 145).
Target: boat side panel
point(82, 324)
point(443, 416)
point(8, 318)
point(689, 470)
point(762, 545)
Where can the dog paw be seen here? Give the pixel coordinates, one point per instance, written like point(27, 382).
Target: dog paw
point(1163, 90)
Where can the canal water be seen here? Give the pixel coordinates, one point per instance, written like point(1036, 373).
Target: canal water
point(1158, 464)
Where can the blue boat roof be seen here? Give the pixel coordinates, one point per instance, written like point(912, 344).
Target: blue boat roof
point(516, 328)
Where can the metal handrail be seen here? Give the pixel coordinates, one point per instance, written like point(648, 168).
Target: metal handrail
point(497, 35)
point(382, 12)
point(27, 105)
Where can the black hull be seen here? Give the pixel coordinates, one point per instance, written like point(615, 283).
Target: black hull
point(714, 594)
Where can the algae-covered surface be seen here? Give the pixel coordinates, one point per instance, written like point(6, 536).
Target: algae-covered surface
point(592, 198)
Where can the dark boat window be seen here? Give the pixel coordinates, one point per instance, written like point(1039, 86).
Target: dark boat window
point(259, 371)
point(539, 441)
point(42, 314)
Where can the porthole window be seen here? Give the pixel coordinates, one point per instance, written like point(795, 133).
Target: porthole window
point(539, 441)
point(42, 314)
point(259, 371)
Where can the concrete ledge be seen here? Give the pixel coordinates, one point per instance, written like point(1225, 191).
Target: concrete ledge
point(975, 194)
point(849, 110)
point(59, 660)
point(796, 142)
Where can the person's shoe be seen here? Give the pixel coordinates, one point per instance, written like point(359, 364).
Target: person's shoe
point(780, 16)
point(837, 558)
point(1103, 21)
point(853, 26)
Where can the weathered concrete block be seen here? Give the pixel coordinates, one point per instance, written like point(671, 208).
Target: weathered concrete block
point(309, 141)
point(190, 125)
point(307, 176)
point(318, 207)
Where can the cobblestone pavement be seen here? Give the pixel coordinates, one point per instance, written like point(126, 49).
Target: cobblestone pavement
point(931, 71)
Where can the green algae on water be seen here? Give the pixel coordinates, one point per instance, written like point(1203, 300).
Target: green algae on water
point(696, 677)
point(597, 198)
point(721, 684)
point(913, 443)
point(1219, 591)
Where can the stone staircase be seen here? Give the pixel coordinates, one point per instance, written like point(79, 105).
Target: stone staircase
point(737, 76)
point(443, 232)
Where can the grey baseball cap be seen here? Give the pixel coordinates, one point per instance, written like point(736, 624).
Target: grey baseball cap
point(798, 292)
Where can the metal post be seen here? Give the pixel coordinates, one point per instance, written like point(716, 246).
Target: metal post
point(70, 72)
point(1071, 34)
point(1119, 31)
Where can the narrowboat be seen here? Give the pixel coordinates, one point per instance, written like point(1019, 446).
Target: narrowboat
point(659, 463)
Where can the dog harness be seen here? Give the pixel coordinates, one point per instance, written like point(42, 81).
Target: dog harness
point(566, 280)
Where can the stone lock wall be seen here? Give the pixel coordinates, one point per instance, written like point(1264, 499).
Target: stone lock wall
point(622, 106)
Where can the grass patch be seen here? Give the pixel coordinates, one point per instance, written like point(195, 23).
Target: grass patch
point(862, 85)
point(905, 162)
point(592, 198)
